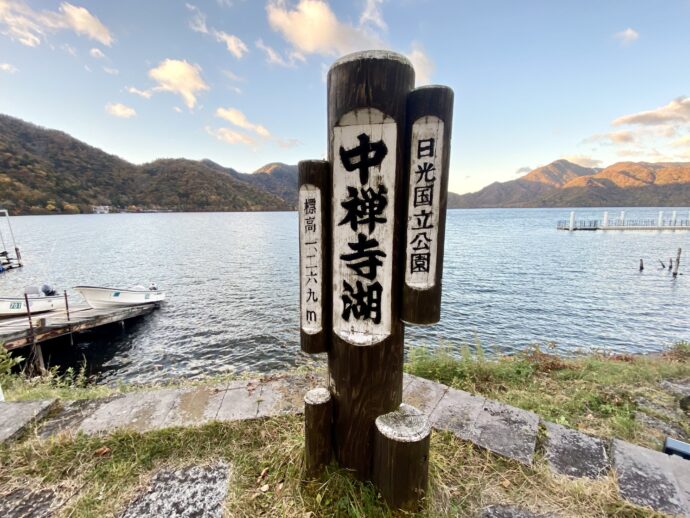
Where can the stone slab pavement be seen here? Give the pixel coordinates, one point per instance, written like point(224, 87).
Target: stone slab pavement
point(15, 417)
point(191, 491)
point(575, 454)
point(652, 478)
point(646, 477)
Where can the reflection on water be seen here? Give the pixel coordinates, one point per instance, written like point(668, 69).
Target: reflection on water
point(510, 280)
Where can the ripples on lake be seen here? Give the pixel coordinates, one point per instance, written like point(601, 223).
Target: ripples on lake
point(510, 280)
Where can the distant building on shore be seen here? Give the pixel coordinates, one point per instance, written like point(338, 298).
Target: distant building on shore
point(101, 209)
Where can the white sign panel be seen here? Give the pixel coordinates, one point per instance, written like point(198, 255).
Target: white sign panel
point(311, 267)
point(423, 205)
point(364, 160)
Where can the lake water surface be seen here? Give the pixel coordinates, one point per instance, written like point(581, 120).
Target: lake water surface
point(510, 280)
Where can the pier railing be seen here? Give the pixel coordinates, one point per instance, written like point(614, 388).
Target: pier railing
point(621, 223)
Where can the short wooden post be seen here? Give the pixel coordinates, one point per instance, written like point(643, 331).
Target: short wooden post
point(571, 227)
point(367, 93)
point(675, 266)
point(641, 265)
point(606, 219)
point(660, 221)
point(36, 350)
point(318, 418)
point(314, 255)
point(401, 457)
point(670, 264)
point(673, 218)
point(622, 218)
point(429, 126)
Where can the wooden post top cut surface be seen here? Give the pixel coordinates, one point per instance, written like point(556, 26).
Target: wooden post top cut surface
point(406, 424)
point(317, 396)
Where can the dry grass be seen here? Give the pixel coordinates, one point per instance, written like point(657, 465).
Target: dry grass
point(464, 479)
point(596, 393)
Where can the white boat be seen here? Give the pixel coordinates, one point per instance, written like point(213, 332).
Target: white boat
point(39, 302)
point(102, 297)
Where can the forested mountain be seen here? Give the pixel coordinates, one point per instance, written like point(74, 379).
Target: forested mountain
point(46, 171)
point(564, 184)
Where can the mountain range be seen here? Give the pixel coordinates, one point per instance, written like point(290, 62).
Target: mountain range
point(564, 184)
point(47, 171)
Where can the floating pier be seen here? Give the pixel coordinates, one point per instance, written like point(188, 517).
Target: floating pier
point(621, 223)
point(32, 331)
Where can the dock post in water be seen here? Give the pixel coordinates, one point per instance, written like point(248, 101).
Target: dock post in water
point(606, 219)
point(429, 126)
point(675, 267)
point(622, 218)
point(641, 265)
point(660, 221)
point(571, 226)
point(673, 218)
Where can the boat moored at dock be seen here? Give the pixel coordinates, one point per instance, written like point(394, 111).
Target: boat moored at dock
point(39, 301)
point(103, 297)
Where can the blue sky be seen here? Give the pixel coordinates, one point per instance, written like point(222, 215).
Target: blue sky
point(242, 81)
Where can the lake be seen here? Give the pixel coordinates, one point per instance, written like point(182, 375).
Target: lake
point(510, 280)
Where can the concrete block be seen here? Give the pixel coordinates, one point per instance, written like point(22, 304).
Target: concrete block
point(16, 416)
point(572, 453)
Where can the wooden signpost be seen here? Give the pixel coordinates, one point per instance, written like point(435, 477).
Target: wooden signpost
point(381, 200)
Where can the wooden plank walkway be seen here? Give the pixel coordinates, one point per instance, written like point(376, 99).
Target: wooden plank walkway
point(16, 332)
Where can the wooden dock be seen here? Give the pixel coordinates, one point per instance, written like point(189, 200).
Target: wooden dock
point(19, 332)
point(673, 223)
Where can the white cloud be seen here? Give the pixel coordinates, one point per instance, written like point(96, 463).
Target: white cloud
point(235, 46)
point(111, 71)
point(274, 58)
point(83, 22)
point(312, 28)
point(198, 20)
point(179, 77)
point(682, 142)
point(198, 24)
point(372, 14)
point(614, 137)
point(231, 136)
point(240, 120)
point(677, 110)
point(583, 160)
point(7, 68)
point(120, 110)
point(96, 53)
point(232, 76)
point(146, 94)
point(627, 36)
point(30, 27)
point(422, 64)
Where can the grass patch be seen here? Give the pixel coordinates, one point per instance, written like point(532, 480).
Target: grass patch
point(463, 478)
point(596, 393)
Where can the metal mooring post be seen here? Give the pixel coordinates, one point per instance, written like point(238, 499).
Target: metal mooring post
point(371, 241)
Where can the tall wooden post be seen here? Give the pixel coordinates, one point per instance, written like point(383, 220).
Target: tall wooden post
point(675, 267)
point(314, 255)
point(367, 94)
point(429, 125)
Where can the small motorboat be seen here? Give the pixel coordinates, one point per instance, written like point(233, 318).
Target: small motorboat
point(40, 301)
point(102, 297)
